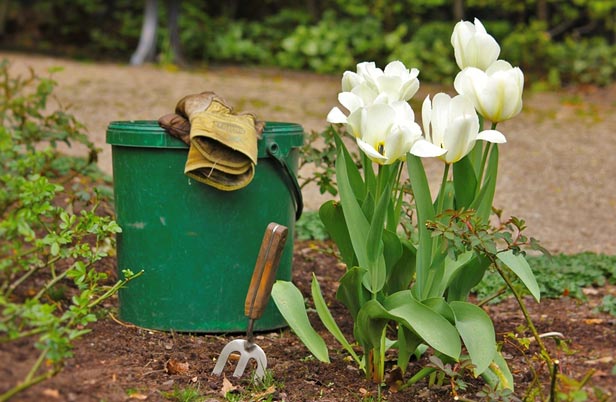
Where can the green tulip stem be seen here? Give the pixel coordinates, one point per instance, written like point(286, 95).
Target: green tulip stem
point(484, 158)
point(441, 193)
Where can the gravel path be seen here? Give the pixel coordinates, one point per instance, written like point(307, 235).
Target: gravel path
point(556, 170)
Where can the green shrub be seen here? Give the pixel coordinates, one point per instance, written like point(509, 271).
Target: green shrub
point(51, 232)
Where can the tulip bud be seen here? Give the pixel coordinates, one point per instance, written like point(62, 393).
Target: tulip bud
point(496, 93)
point(473, 46)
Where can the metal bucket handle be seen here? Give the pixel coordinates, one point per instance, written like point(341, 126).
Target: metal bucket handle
point(273, 150)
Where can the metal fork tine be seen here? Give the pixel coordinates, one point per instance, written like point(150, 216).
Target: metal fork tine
point(242, 347)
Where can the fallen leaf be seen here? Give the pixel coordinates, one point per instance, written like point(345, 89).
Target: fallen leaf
point(594, 321)
point(601, 360)
point(52, 393)
point(138, 396)
point(175, 367)
point(227, 387)
point(261, 395)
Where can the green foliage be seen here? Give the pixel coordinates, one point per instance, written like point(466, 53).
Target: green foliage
point(332, 44)
point(562, 275)
point(310, 227)
point(51, 235)
point(187, 394)
point(572, 43)
point(429, 49)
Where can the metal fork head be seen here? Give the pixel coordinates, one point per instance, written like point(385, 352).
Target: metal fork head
point(247, 351)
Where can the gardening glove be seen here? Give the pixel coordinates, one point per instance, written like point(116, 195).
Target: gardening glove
point(223, 145)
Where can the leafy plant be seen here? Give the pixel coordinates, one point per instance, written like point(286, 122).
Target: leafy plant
point(409, 292)
point(52, 234)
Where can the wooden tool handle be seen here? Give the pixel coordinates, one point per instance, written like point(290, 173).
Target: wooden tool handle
point(264, 273)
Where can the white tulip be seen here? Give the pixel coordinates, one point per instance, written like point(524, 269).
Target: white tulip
point(496, 93)
point(386, 132)
point(473, 46)
point(452, 125)
point(394, 83)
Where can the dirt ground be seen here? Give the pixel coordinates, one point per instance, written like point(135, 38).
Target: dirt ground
point(556, 172)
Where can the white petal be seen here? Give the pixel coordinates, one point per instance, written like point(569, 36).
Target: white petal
point(494, 136)
point(426, 116)
point(336, 116)
point(371, 152)
point(426, 149)
point(350, 101)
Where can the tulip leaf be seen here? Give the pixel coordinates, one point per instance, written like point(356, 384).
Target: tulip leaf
point(465, 276)
point(439, 305)
point(477, 332)
point(351, 292)
point(464, 182)
point(290, 303)
point(371, 320)
point(357, 224)
point(407, 344)
point(519, 266)
point(332, 216)
point(352, 174)
point(425, 212)
point(430, 326)
point(327, 319)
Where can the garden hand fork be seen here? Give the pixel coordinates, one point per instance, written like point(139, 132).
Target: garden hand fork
point(258, 295)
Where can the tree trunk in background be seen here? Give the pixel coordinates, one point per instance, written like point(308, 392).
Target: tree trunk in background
point(458, 10)
point(4, 6)
point(173, 7)
point(542, 10)
point(146, 50)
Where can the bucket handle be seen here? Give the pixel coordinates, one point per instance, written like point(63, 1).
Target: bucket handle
point(289, 178)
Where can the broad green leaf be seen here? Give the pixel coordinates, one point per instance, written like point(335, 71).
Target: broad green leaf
point(407, 344)
point(464, 275)
point(290, 302)
point(501, 369)
point(332, 216)
point(518, 264)
point(357, 224)
point(477, 332)
point(429, 325)
point(327, 319)
point(400, 274)
point(369, 325)
point(351, 292)
point(465, 182)
point(439, 305)
point(425, 212)
point(352, 171)
point(369, 176)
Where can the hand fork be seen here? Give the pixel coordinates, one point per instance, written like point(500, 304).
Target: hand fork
point(258, 295)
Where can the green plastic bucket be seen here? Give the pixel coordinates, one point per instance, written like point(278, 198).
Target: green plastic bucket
point(197, 245)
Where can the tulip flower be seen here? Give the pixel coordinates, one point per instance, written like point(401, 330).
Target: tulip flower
point(452, 124)
point(473, 46)
point(496, 93)
point(392, 84)
point(386, 132)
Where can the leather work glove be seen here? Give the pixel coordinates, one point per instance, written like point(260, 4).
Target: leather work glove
point(223, 145)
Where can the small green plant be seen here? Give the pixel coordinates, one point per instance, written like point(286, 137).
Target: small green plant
point(186, 394)
point(608, 305)
point(52, 232)
point(310, 227)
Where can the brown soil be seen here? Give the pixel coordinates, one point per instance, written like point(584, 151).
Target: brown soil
point(118, 361)
point(556, 173)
